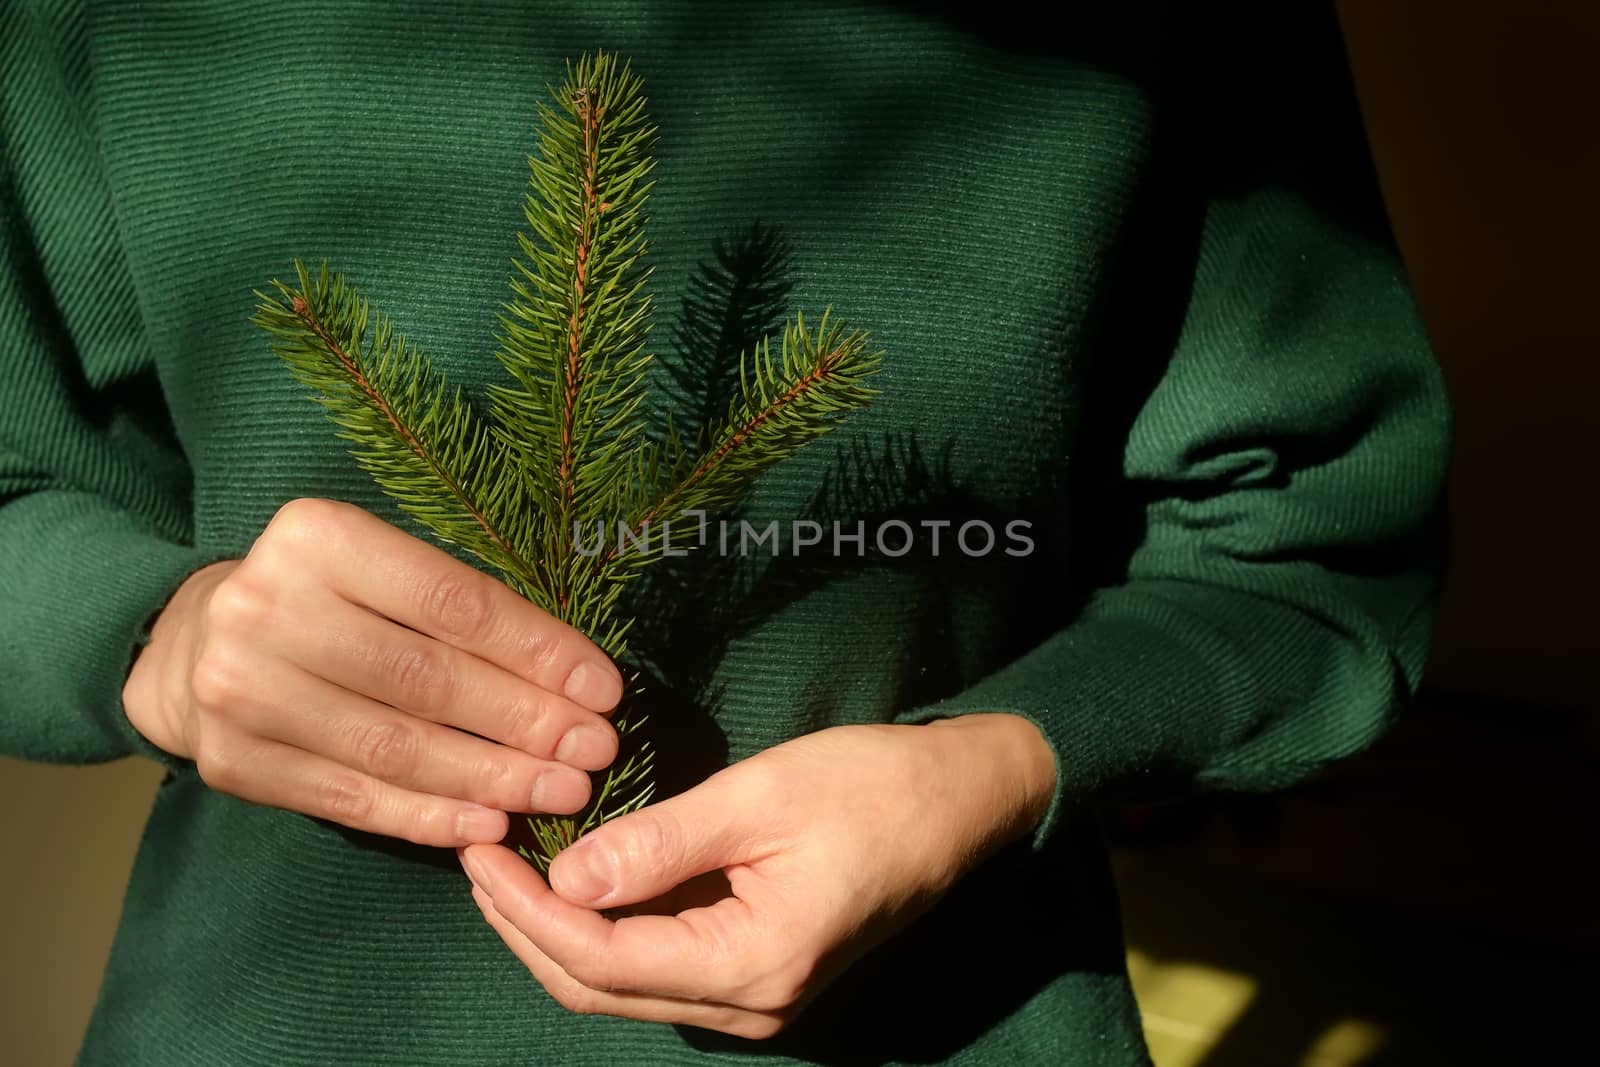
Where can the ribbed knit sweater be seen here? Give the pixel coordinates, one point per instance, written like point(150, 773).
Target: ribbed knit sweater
point(1135, 290)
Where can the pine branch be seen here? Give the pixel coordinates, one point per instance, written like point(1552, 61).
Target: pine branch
point(567, 445)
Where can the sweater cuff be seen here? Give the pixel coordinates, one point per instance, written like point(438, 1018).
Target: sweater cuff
point(86, 597)
point(1123, 706)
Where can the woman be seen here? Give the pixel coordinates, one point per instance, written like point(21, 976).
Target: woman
point(1136, 295)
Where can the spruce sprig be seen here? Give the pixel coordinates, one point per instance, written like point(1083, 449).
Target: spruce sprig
point(564, 451)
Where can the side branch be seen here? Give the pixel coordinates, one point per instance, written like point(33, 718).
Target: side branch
point(308, 318)
point(708, 464)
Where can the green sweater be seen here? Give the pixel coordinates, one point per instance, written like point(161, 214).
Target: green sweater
point(1135, 289)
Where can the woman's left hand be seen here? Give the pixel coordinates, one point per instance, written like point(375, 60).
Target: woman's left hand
point(828, 843)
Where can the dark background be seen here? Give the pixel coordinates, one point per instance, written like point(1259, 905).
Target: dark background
point(1433, 901)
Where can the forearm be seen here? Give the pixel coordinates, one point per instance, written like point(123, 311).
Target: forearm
point(96, 526)
point(81, 576)
point(1264, 527)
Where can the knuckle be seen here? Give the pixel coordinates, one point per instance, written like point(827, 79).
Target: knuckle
point(420, 677)
point(458, 605)
point(214, 762)
point(497, 771)
point(780, 991)
point(236, 606)
point(655, 838)
point(389, 750)
point(344, 798)
point(304, 521)
point(545, 647)
point(503, 782)
point(576, 999)
point(428, 823)
point(767, 784)
point(526, 727)
point(213, 680)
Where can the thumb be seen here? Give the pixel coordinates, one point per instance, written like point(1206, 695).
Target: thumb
point(651, 851)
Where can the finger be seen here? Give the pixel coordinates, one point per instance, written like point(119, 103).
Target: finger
point(704, 954)
point(642, 855)
point(575, 996)
point(283, 703)
point(379, 566)
point(278, 775)
point(370, 655)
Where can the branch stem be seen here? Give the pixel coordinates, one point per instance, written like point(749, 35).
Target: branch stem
point(590, 111)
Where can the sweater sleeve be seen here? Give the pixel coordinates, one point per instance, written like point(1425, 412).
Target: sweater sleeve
point(95, 515)
point(1286, 473)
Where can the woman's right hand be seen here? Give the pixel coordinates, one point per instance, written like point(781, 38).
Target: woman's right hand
point(342, 669)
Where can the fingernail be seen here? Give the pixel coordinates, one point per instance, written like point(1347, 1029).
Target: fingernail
point(478, 871)
point(559, 790)
point(589, 873)
point(587, 746)
point(593, 687)
point(480, 824)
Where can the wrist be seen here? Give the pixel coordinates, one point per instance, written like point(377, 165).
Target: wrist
point(1012, 766)
point(154, 693)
